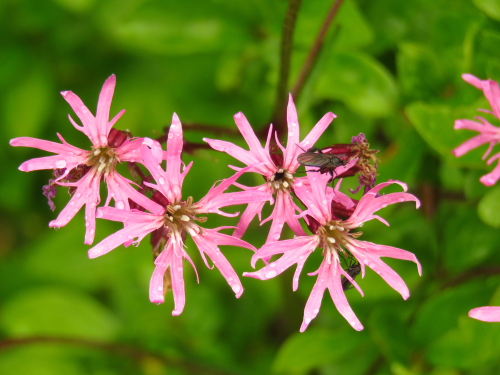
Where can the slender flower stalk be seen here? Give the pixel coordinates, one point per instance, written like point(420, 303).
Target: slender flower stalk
point(177, 219)
point(82, 170)
point(278, 172)
point(487, 132)
point(336, 239)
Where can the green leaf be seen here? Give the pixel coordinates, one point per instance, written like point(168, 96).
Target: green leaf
point(435, 125)
point(490, 7)
point(488, 208)
point(305, 351)
point(440, 312)
point(390, 333)
point(361, 82)
point(467, 245)
point(419, 70)
point(472, 344)
point(57, 312)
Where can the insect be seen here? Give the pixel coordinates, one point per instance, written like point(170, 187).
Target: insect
point(353, 271)
point(311, 158)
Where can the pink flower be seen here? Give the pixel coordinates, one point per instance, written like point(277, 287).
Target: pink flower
point(487, 132)
point(335, 238)
point(279, 175)
point(486, 313)
point(109, 147)
point(178, 218)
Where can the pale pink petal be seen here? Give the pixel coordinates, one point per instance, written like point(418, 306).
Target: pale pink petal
point(312, 194)
point(369, 254)
point(253, 142)
point(174, 151)
point(492, 93)
point(337, 196)
point(471, 144)
point(283, 212)
point(491, 178)
point(87, 193)
point(232, 199)
point(206, 243)
point(177, 277)
point(56, 148)
point(86, 117)
point(294, 251)
point(133, 231)
point(292, 150)
point(486, 313)
point(247, 216)
point(474, 81)
point(152, 164)
point(130, 150)
point(114, 214)
point(372, 202)
point(52, 162)
point(329, 276)
point(103, 107)
point(482, 127)
point(156, 282)
point(311, 138)
point(114, 120)
point(215, 197)
point(226, 240)
point(246, 157)
point(121, 190)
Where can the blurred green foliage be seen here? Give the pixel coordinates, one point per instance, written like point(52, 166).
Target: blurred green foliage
point(392, 71)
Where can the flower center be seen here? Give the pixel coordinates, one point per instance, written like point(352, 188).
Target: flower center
point(181, 216)
point(103, 158)
point(332, 236)
point(281, 180)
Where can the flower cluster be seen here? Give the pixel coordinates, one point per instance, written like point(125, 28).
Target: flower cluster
point(157, 207)
point(490, 134)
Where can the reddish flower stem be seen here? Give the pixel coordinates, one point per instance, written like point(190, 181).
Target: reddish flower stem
point(312, 57)
point(114, 348)
point(279, 113)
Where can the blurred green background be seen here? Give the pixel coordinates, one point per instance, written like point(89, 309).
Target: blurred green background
point(392, 72)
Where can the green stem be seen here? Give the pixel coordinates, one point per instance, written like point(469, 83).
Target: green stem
point(312, 57)
point(286, 53)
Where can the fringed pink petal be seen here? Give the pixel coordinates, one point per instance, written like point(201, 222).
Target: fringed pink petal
point(62, 161)
point(152, 163)
point(114, 214)
point(103, 107)
point(471, 144)
point(294, 251)
point(130, 150)
point(246, 157)
point(369, 254)
point(56, 148)
point(312, 137)
point(114, 120)
point(486, 313)
point(174, 152)
point(87, 192)
point(491, 178)
point(251, 139)
point(85, 116)
point(474, 81)
point(120, 189)
point(156, 287)
point(292, 149)
point(207, 244)
point(492, 93)
point(133, 231)
point(372, 202)
point(222, 239)
point(250, 212)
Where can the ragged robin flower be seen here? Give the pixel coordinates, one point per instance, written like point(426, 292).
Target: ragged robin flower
point(337, 239)
point(177, 219)
point(278, 172)
point(82, 170)
point(487, 132)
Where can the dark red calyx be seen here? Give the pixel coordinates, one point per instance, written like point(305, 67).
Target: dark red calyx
point(341, 211)
point(117, 137)
point(313, 224)
point(160, 199)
